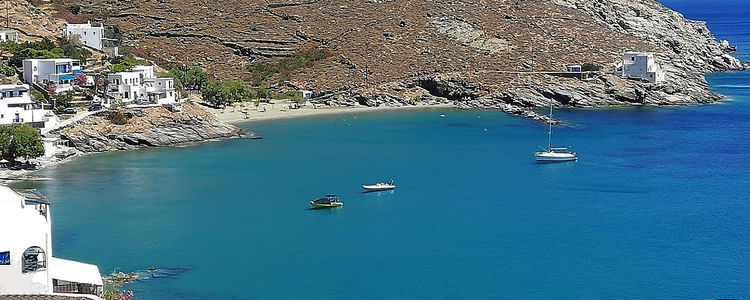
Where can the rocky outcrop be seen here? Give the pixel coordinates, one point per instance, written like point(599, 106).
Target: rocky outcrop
point(688, 52)
point(686, 41)
point(149, 127)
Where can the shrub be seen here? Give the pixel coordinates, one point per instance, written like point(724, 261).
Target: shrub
point(117, 117)
point(63, 100)
point(7, 70)
point(37, 95)
point(587, 67)
point(290, 95)
point(262, 72)
point(74, 9)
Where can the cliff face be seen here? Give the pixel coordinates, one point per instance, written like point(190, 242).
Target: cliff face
point(150, 127)
point(388, 52)
point(687, 42)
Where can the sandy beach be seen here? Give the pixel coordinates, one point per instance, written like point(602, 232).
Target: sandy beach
point(247, 111)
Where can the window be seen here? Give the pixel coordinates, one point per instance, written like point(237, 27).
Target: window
point(34, 259)
point(35, 69)
point(632, 58)
point(5, 258)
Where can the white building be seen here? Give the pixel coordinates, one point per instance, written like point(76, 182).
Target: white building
point(9, 35)
point(640, 65)
point(305, 94)
point(139, 85)
point(88, 35)
point(574, 68)
point(16, 107)
point(58, 71)
point(27, 266)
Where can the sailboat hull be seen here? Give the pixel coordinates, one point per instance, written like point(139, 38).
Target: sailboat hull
point(555, 157)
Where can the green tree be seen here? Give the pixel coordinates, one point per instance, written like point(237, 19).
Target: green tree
point(263, 93)
point(236, 90)
point(195, 78)
point(178, 76)
point(5, 138)
point(211, 93)
point(25, 142)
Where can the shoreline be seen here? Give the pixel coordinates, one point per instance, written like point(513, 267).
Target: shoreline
point(244, 113)
point(230, 115)
point(234, 115)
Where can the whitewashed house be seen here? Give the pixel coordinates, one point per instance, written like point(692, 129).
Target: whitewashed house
point(305, 94)
point(16, 107)
point(58, 71)
point(89, 35)
point(27, 266)
point(574, 68)
point(640, 65)
point(8, 35)
point(139, 85)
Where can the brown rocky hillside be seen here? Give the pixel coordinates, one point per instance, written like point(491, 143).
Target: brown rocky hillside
point(391, 39)
point(389, 51)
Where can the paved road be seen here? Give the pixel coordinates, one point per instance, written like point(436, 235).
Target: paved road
point(76, 118)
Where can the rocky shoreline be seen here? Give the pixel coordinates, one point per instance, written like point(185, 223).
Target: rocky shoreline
point(149, 127)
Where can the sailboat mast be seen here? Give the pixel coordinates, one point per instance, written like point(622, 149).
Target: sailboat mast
point(549, 135)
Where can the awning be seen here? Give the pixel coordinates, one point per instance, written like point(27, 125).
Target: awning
point(79, 72)
point(32, 195)
point(67, 77)
point(73, 271)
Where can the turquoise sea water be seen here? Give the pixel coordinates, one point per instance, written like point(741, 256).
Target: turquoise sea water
point(656, 207)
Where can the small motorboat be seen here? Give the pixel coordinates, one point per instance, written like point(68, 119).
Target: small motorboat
point(328, 201)
point(380, 186)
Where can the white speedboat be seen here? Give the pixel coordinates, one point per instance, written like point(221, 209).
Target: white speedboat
point(380, 186)
point(554, 154)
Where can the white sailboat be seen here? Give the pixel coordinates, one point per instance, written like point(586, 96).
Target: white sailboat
point(554, 154)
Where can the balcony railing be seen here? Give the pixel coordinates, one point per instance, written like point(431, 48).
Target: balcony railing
point(60, 286)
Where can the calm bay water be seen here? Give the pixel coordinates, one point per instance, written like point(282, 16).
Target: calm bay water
point(656, 207)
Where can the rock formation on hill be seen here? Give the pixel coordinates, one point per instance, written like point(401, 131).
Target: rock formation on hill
point(387, 52)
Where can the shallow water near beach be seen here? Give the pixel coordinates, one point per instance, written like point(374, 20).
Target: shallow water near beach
point(657, 206)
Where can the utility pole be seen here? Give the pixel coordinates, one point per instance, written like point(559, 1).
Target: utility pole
point(7, 13)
